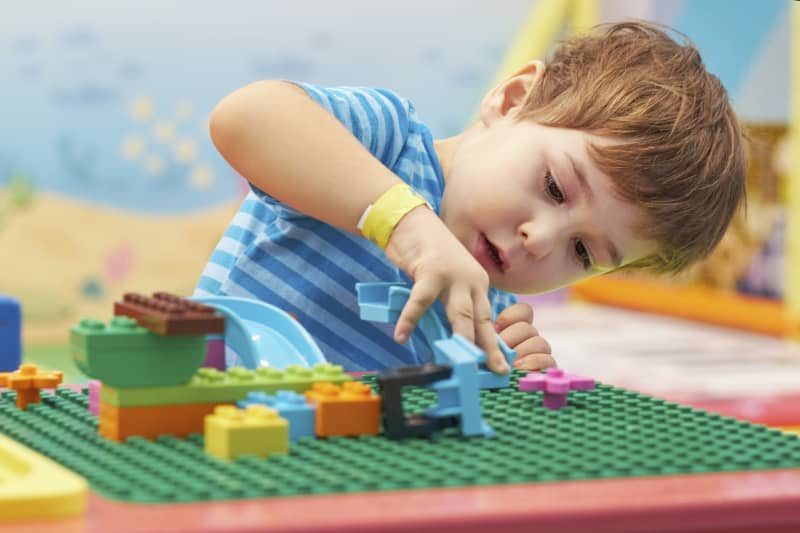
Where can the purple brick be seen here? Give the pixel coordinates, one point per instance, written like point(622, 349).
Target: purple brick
point(94, 397)
point(215, 353)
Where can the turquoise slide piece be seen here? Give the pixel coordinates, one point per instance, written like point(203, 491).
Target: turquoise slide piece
point(262, 335)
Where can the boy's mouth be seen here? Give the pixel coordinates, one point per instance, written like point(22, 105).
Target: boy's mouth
point(494, 254)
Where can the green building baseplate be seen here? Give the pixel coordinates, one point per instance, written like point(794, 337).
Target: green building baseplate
point(605, 433)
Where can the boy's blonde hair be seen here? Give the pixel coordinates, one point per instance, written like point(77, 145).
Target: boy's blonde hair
point(679, 154)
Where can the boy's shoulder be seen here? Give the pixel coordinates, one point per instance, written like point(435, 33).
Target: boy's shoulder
point(364, 98)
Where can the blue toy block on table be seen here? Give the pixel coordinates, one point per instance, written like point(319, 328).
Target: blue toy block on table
point(459, 395)
point(383, 301)
point(291, 406)
point(10, 334)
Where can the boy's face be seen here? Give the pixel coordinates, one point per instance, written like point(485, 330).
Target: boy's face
point(531, 206)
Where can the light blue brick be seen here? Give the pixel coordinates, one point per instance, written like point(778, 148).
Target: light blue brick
point(291, 406)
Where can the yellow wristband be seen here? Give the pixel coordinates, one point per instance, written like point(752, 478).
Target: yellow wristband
point(380, 218)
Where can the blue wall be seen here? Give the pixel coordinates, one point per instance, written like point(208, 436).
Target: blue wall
point(108, 101)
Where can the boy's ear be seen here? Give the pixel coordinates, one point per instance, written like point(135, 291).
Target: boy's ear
point(510, 94)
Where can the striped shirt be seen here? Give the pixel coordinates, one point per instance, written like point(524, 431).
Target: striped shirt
point(273, 253)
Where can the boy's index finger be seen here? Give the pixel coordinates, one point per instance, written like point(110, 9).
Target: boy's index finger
point(486, 339)
point(422, 295)
point(495, 359)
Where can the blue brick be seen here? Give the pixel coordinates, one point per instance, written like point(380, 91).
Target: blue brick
point(382, 302)
point(10, 334)
point(291, 406)
point(460, 394)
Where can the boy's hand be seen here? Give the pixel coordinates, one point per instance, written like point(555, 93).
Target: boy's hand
point(515, 326)
point(425, 249)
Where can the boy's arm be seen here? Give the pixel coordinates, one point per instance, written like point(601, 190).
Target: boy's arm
point(285, 144)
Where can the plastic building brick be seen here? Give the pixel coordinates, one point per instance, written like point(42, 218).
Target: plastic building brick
point(123, 354)
point(349, 410)
point(10, 334)
point(33, 486)
point(605, 433)
point(383, 302)
point(27, 381)
point(215, 353)
point(459, 395)
point(488, 379)
point(94, 396)
point(556, 384)
point(149, 422)
point(211, 385)
point(291, 406)
point(257, 430)
point(168, 314)
point(398, 425)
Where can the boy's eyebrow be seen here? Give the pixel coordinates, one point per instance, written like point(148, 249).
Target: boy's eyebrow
point(613, 252)
point(578, 173)
point(616, 260)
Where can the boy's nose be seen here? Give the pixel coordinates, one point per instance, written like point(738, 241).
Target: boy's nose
point(538, 239)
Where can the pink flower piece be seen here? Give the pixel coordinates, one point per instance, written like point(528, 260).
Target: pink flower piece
point(556, 384)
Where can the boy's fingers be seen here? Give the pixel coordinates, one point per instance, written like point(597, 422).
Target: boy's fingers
point(532, 345)
point(535, 361)
point(486, 339)
point(517, 333)
point(422, 295)
point(460, 313)
point(518, 312)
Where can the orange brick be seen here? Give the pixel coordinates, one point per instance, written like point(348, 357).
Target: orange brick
point(349, 410)
point(119, 423)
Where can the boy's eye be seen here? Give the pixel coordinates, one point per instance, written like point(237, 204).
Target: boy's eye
point(583, 254)
point(552, 188)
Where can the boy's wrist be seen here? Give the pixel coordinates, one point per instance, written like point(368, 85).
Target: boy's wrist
point(406, 243)
point(380, 218)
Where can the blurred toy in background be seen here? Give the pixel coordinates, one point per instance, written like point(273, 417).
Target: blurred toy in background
point(10, 334)
point(740, 261)
point(750, 258)
point(765, 274)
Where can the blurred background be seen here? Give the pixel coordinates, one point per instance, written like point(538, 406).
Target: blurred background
point(109, 182)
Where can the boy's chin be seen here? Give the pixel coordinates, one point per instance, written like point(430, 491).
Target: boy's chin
point(498, 283)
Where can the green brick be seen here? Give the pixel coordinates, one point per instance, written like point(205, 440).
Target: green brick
point(210, 385)
point(122, 354)
point(600, 434)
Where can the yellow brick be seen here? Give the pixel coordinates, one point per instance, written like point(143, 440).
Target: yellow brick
point(257, 430)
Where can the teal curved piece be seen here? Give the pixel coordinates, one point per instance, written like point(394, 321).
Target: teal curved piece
point(264, 335)
point(383, 301)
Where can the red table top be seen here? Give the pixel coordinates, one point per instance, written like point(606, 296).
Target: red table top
point(749, 501)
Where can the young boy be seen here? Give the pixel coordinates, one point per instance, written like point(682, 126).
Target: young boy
point(622, 152)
